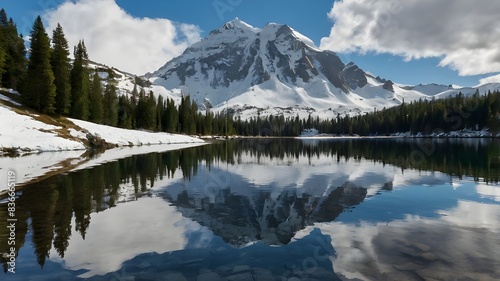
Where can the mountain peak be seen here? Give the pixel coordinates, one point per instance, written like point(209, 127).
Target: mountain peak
point(238, 24)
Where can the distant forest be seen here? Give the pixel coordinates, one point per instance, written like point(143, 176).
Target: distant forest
point(51, 83)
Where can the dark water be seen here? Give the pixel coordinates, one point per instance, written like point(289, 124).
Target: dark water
point(268, 210)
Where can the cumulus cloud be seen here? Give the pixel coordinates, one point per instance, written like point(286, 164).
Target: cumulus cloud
point(118, 39)
point(463, 33)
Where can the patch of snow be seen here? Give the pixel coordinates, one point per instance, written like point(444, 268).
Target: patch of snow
point(26, 133)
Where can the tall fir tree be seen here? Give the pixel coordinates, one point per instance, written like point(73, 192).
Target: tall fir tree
point(61, 67)
point(151, 112)
point(96, 99)
point(141, 110)
point(187, 115)
point(125, 112)
point(80, 83)
point(160, 107)
point(14, 52)
point(133, 105)
point(39, 90)
point(2, 55)
point(110, 116)
point(172, 117)
point(3, 43)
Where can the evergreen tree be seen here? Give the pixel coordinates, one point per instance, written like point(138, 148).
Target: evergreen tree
point(208, 119)
point(110, 116)
point(133, 104)
point(160, 107)
point(146, 114)
point(3, 54)
point(125, 112)
point(187, 116)
point(39, 89)
point(171, 117)
point(3, 38)
point(14, 53)
point(61, 66)
point(80, 83)
point(96, 99)
point(140, 110)
point(151, 112)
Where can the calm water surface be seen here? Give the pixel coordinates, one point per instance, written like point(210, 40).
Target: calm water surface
point(269, 210)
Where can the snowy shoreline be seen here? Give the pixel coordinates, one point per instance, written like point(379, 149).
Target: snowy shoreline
point(27, 133)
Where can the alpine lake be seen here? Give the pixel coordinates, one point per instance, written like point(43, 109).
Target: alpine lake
point(268, 209)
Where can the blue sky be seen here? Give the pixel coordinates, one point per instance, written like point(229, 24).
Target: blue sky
point(383, 55)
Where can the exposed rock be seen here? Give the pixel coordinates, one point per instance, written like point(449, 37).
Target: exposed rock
point(389, 86)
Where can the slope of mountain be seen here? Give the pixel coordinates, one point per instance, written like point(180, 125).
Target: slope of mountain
point(276, 70)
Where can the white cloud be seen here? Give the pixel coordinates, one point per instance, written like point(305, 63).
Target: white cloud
point(463, 33)
point(490, 79)
point(118, 39)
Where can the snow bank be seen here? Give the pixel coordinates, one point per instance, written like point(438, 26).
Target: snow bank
point(27, 134)
point(123, 137)
point(22, 132)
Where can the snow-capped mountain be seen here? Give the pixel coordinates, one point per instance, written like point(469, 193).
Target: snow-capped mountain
point(277, 70)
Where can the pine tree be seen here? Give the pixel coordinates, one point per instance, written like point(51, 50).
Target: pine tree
point(3, 39)
point(96, 99)
point(187, 116)
point(125, 112)
point(208, 119)
point(14, 52)
point(171, 117)
point(61, 66)
point(133, 104)
point(39, 89)
point(160, 107)
point(80, 83)
point(110, 106)
point(3, 54)
point(140, 110)
point(151, 112)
